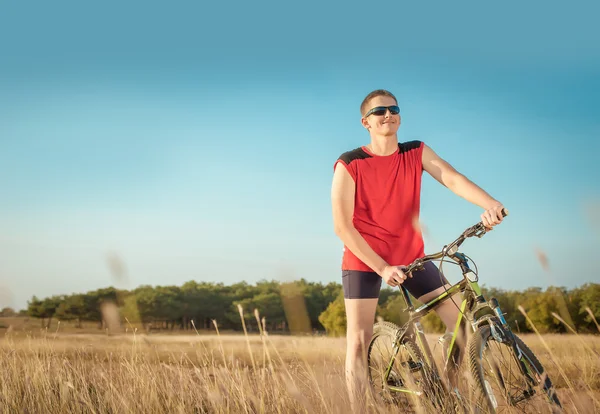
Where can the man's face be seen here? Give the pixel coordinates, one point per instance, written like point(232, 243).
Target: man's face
point(386, 124)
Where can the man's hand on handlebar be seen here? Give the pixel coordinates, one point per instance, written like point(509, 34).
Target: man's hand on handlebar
point(477, 230)
point(492, 216)
point(393, 275)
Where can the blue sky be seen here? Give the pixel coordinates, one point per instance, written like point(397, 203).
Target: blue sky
point(197, 141)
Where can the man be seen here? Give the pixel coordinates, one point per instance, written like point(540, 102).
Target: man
point(376, 202)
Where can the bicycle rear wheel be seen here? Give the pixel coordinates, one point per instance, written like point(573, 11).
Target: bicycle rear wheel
point(500, 384)
point(401, 376)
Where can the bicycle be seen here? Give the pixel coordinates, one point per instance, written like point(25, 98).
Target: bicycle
point(417, 375)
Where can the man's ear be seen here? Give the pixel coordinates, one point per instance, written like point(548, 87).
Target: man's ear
point(365, 123)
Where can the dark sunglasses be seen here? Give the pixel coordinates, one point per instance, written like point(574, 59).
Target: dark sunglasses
point(381, 110)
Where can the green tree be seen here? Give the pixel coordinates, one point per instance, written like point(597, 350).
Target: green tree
point(72, 308)
point(334, 317)
point(392, 310)
point(541, 305)
point(588, 297)
point(7, 312)
point(129, 310)
point(34, 309)
point(317, 297)
point(269, 306)
point(48, 309)
point(168, 305)
point(146, 299)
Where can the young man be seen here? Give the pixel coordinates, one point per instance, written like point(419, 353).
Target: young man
point(375, 202)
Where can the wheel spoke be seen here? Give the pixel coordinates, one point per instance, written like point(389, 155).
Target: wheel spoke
point(501, 378)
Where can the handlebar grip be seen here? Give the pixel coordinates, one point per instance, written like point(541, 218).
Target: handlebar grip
point(504, 212)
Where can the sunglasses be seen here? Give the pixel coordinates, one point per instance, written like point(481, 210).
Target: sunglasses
point(381, 110)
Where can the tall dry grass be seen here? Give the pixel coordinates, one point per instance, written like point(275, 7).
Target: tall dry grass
point(55, 372)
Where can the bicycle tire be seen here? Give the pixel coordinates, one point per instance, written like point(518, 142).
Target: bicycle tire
point(485, 399)
point(388, 332)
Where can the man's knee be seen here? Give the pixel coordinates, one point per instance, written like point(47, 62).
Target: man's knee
point(358, 340)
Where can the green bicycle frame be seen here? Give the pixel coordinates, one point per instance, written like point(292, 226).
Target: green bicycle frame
point(471, 304)
point(474, 308)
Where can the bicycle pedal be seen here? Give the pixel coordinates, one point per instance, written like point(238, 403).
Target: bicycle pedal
point(525, 395)
point(414, 366)
point(395, 383)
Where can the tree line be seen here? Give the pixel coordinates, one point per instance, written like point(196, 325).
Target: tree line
point(300, 307)
point(284, 306)
point(579, 308)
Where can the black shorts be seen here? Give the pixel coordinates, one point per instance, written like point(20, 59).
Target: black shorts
point(363, 285)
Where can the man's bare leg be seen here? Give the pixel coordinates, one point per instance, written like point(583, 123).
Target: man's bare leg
point(360, 316)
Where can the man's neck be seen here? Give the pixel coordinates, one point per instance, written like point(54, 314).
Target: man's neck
point(383, 145)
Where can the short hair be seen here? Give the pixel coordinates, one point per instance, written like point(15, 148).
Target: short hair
point(374, 94)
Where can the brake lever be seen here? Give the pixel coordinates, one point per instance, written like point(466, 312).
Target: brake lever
point(417, 265)
point(480, 231)
point(477, 230)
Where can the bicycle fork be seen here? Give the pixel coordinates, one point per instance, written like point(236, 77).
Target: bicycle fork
point(516, 351)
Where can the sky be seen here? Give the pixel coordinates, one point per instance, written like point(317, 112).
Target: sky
point(197, 141)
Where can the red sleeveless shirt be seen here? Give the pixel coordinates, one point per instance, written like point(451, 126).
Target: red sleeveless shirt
point(387, 203)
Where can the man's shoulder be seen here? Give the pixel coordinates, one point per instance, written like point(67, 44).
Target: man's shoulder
point(360, 154)
point(353, 155)
point(409, 145)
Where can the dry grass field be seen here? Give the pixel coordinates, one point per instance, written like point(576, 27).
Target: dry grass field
point(54, 371)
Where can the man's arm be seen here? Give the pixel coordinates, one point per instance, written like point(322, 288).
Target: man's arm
point(342, 202)
point(446, 175)
point(343, 193)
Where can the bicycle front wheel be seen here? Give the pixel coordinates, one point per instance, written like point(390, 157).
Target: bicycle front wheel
point(501, 385)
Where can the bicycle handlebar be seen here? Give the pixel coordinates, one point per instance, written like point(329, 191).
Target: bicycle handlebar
point(477, 230)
